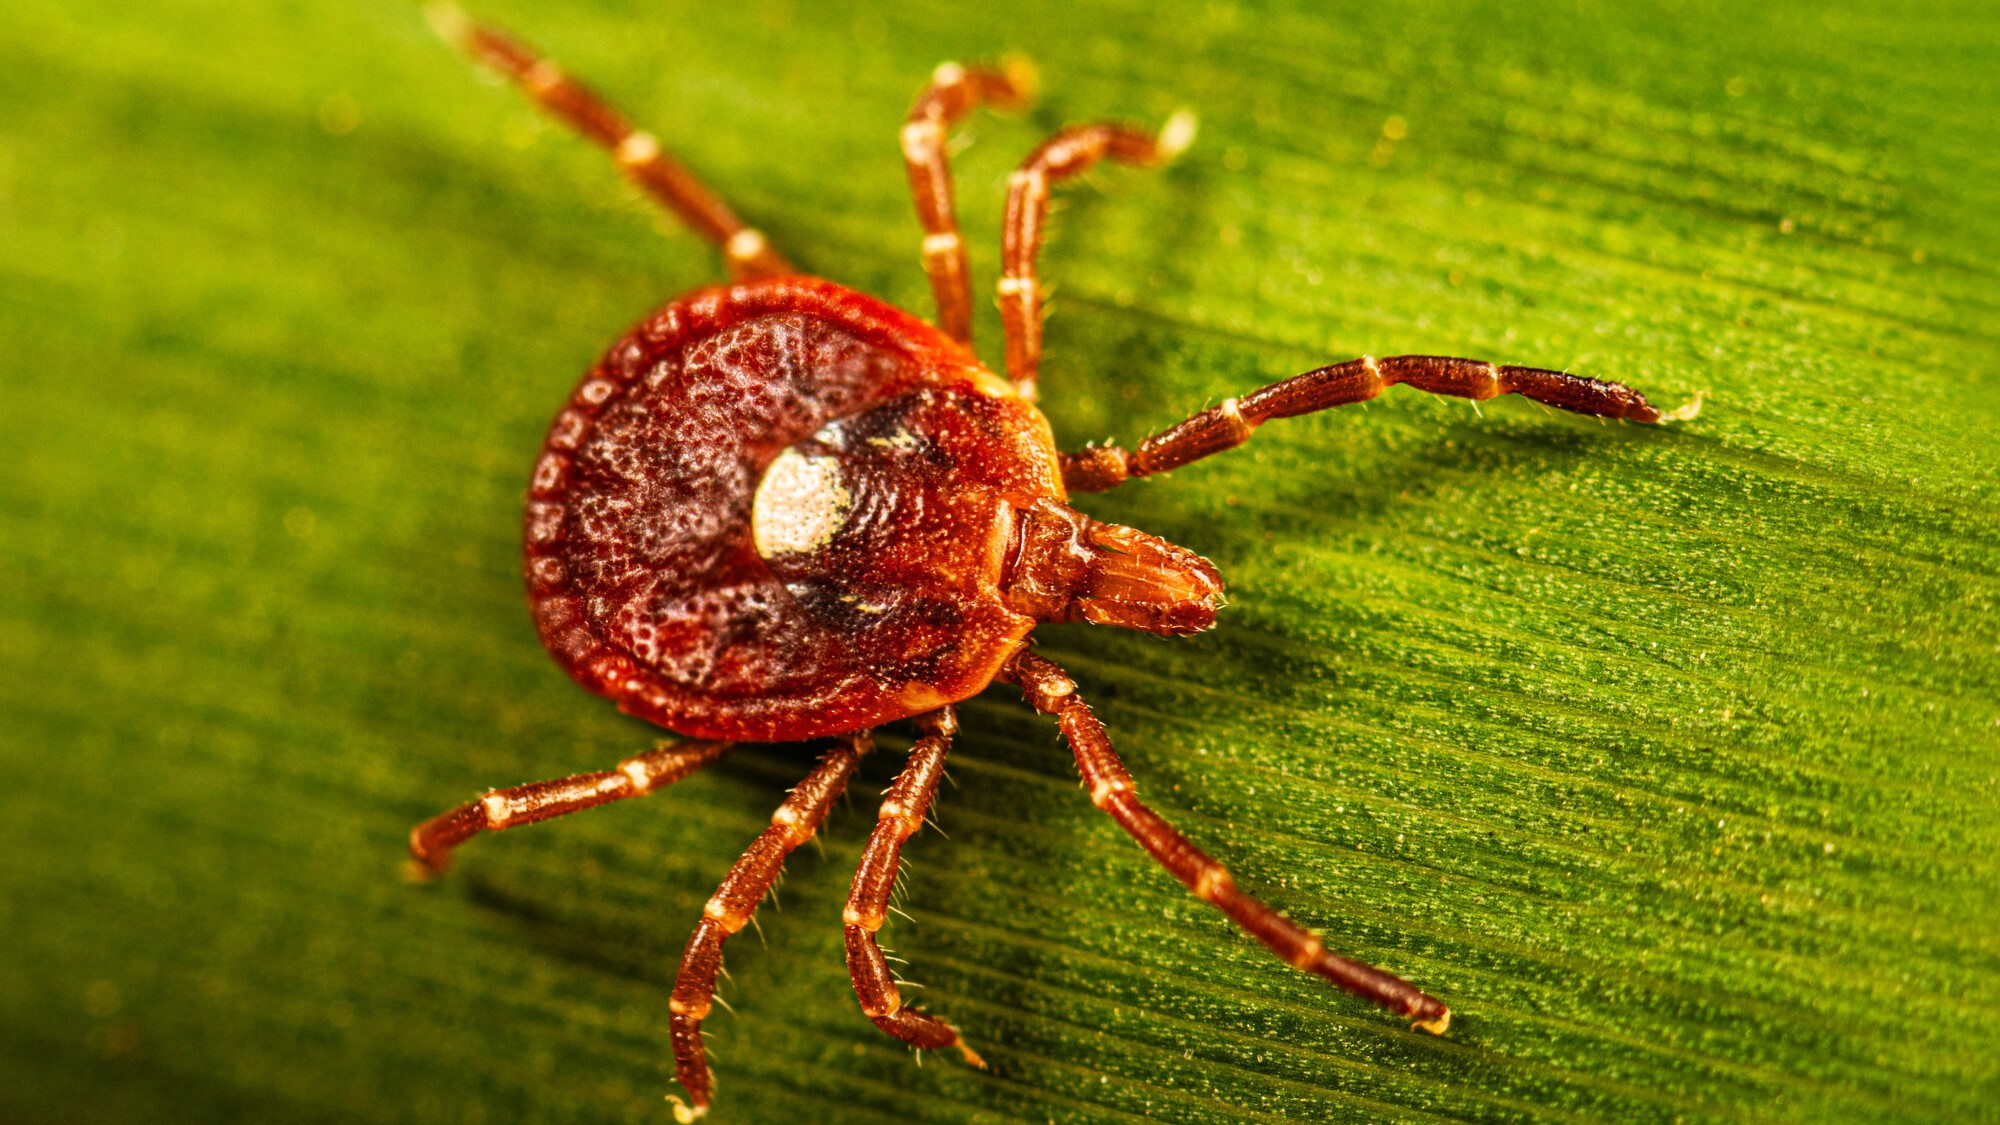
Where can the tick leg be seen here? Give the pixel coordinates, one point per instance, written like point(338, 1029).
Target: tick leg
point(1064, 155)
point(954, 92)
point(638, 153)
point(904, 807)
point(432, 841)
point(732, 904)
point(1228, 425)
point(1051, 691)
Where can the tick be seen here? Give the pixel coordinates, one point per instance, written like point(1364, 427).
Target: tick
point(782, 510)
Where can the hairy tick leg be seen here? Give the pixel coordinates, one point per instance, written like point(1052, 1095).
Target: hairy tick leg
point(954, 91)
point(638, 153)
point(1064, 155)
point(431, 842)
point(1051, 691)
point(904, 806)
point(1231, 422)
point(729, 909)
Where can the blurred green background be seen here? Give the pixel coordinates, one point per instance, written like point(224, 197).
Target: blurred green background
point(1667, 757)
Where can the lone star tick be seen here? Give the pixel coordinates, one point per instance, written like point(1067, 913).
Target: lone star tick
point(783, 510)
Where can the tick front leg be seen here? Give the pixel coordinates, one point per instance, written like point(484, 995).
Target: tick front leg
point(638, 153)
point(1052, 692)
point(1064, 155)
point(904, 807)
point(729, 909)
point(954, 92)
point(432, 841)
point(1228, 425)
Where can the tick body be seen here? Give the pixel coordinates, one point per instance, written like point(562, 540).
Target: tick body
point(782, 510)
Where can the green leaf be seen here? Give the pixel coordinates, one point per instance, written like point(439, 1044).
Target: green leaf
point(1670, 758)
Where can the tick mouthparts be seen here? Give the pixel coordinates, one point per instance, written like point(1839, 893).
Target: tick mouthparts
point(1065, 566)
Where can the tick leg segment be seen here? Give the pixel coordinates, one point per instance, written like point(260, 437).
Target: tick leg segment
point(638, 153)
point(1228, 425)
point(904, 807)
point(1052, 692)
point(1064, 155)
point(954, 92)
point(432, 841)
point(729, 909)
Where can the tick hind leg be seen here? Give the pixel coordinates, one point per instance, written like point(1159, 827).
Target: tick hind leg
point(1228, 425)
point(638, 153)
point(1052, 692)
point(1064, 155)
point(954, 92)
point(904, 807)
point(729, 909)
point(431, 842)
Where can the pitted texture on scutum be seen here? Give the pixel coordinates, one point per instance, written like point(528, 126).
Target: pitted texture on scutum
point(659, 530)
point(641, 559)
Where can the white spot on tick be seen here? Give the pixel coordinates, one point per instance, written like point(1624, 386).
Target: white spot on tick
point(920, 138)
point(800, 505)
point(746, 245)
point(498, 812)
point(902, 441)
point(635, 772)
point(638, 149)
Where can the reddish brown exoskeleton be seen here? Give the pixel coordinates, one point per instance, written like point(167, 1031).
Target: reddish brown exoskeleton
point(782, 510)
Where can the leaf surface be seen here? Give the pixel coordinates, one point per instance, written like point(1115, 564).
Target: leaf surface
point(1670, 758)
